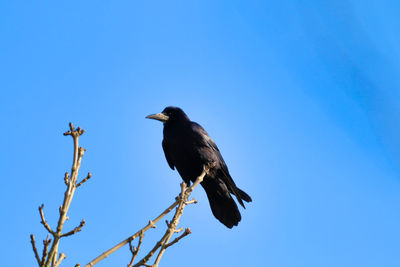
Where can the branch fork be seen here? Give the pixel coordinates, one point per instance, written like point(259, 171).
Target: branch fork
point(49, 256)
point(180, 202)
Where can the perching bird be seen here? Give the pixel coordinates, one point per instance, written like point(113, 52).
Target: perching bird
point(187, 147)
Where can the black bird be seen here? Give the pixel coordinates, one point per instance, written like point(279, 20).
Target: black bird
point(188, 147)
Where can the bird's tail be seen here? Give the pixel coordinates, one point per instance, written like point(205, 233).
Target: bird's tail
point(222, 204)
point(243, 195)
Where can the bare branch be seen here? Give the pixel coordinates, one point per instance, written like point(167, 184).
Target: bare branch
point(76, 229)
point(84, 180)
point(178, 230)
point(78, 132)
point(46, 244)
point(44, 222)
point(72, 129)
point(49, 257)
point(173, 224)
point(183, 200)
point(35, 250)
point(185, 233)
point(180, 200)
point(146, 258)
point(193, 201)
point(171, 228)
point(50, 248)
point(151, 224)
point(60, 259)
point(134, 250)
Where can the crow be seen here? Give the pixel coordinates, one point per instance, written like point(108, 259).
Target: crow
point(187, 147)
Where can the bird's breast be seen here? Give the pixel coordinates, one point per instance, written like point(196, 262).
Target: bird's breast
point(186, 158)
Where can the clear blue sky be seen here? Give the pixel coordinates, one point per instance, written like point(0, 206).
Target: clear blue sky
point(302, 98)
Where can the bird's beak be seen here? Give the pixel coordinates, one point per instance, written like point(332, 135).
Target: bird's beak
point(159, 116)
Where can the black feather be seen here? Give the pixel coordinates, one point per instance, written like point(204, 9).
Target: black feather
point(188, 147)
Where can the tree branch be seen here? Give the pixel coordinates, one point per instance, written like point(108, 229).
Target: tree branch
point(187, 232)
point(84, 180)
point(49, 257)
point(174, 222)
point(76, 229)
point(60, 259)
point(193, 201)
point(146, 258)
point(135, 250)
point(46, 244)
point(183, 201)
point(180, 202)
point(44, 222)
point(68, 195)
point(35, 250)
point(151, 224)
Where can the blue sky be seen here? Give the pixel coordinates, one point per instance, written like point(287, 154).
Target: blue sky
point(302, 98)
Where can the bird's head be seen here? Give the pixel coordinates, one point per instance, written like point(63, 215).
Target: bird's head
point(170, 114)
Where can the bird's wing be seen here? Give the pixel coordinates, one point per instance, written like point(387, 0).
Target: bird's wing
point(167, 155)
point(203, 138)
point(225, 177)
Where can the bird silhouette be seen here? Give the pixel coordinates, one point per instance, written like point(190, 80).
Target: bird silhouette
point(188, 147)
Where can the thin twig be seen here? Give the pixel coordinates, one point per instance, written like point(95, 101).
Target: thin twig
point(152, 223)
point(178, 230)
point(35, 250)
point(84, 180)
point(193, 201)
point(173, 224)
point(134, 250)
point(68, 195)
point(60, 259)
point(146, 258)
point(44, 222)
point(46, 244)
point(187, 232)
point(183, 201)
point(75, 230)
point(50, 248)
